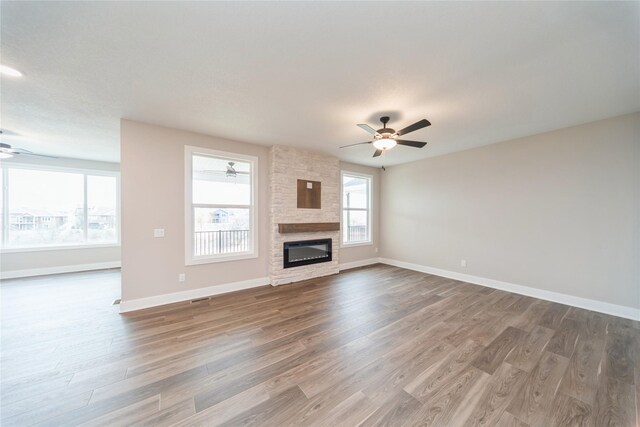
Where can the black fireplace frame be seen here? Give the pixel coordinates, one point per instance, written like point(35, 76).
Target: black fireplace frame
point(287, 245)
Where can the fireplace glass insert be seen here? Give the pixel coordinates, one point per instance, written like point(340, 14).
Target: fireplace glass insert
point(306, 252)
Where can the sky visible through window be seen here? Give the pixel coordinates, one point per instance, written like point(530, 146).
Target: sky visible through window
point(47, 208)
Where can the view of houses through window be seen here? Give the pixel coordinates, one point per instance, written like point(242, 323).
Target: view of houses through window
point(222, 208)
point(49, 208)
point(356, 208)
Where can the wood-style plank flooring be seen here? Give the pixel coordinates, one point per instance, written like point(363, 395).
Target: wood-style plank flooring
point(372, 346)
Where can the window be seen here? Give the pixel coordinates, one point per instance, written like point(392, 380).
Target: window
point(356, 208)
point(221, 205)
point(58, 207)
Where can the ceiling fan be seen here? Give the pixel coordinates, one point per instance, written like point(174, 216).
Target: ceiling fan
point(231, 172)
point(386, 138)
point(6, 151)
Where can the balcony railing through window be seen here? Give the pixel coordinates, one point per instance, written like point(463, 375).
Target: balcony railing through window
point(357, 233)
point(220, 242)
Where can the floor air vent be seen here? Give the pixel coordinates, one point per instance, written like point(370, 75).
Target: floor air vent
point(116, 301)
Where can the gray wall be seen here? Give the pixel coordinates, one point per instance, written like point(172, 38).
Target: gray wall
point(559, 211)
point(153, 189)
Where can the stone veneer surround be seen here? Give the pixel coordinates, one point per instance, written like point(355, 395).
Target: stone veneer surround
point(289, 164)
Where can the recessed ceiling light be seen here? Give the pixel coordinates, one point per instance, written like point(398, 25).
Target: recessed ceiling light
point(8, 71)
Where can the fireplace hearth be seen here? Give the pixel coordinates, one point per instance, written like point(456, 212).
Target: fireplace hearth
point(306, 252)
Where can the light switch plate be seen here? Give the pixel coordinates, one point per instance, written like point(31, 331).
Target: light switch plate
point(158, 232)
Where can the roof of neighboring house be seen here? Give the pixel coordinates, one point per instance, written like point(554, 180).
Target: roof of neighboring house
point(36, 212)
point(101, 211)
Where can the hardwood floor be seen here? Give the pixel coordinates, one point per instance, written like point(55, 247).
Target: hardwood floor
point(371, 346)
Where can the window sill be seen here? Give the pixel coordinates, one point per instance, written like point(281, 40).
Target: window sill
point(58, 248)
point(356, 244)
point(216, 259)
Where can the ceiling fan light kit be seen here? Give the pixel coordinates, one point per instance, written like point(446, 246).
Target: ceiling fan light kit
point(384, 143)
point(386, 138)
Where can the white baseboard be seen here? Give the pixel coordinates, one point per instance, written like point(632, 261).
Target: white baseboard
point(15, 274)
point(589, 304)
point(359, 263)
point(157, 300)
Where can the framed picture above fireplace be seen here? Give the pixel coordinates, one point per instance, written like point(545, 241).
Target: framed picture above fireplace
point(309, 194)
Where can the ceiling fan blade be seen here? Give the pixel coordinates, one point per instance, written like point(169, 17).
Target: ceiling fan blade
point(21, 151)
point(358, 143)
point(369, 129)
point(416, 144)
point(377, 153)
point(417, 125)
point(25, 153)
point(210, 171)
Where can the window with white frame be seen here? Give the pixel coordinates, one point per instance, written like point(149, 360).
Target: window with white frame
point(48, 207)
point(356, 208)
point(221, 205)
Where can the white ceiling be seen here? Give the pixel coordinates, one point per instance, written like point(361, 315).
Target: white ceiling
point(305, 74)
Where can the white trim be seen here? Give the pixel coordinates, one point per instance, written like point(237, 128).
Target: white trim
point(359, 263)
point(56, 168)
point(588, 304)
point(158, 300)
point(5, 203)
point(189, 259)
point(353, 245)
point(368, 209)
point(236, 256)
point(85, 172)
point(58, 248)
point(15, 274)
point(85, 208)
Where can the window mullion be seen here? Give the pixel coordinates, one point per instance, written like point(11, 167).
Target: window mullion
point(86, 211)
point(5, 206)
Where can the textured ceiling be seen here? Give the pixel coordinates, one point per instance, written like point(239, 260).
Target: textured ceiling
point(305, 74)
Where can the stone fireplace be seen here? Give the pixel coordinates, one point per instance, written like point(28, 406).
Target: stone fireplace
point(288, 165)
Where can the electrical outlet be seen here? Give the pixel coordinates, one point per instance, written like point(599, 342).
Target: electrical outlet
point(376, 250)
point(463, 263)
point(182, 277)
point(158, 232)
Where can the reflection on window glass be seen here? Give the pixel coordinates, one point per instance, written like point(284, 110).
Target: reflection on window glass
point(216, 181)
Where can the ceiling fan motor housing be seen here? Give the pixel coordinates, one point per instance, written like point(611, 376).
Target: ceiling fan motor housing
point(385, 131)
